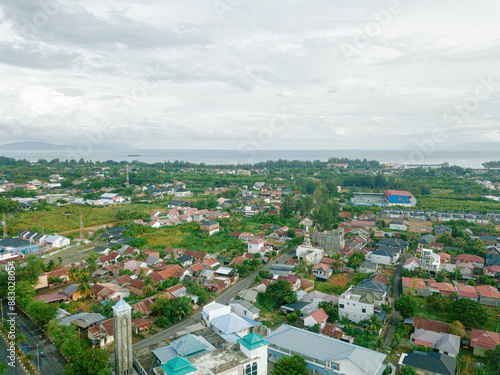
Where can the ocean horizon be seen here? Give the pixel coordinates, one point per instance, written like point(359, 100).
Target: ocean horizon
point(462, 158)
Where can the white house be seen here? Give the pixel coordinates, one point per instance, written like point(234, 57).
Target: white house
point(309, 253)
point(255, 246)
point(317, 317)
point(398, 225)
point(56, 241)
point(385, 256)
point(112, 198)
point(411, 263)
point(244, 309)
point(429, 261)
point(359, 304)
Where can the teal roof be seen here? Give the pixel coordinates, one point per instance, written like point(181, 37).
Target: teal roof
point(178, 366)
point(191, 344)
point(252, 341)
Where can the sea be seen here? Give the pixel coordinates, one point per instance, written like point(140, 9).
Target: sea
point(462, 158)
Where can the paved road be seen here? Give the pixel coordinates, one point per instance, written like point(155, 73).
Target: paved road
point(395, 293)
point(17, 370)
point(223, 298)
point(52, 363)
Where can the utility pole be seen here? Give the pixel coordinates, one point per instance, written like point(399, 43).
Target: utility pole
point(81, 226)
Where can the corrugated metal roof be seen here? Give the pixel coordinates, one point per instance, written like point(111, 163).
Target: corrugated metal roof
point(324, 348)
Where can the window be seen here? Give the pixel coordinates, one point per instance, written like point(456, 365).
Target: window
point(341, 305)
point(251, 369)
point(363, 310)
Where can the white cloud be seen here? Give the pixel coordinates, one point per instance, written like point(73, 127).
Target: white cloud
point(175, 73)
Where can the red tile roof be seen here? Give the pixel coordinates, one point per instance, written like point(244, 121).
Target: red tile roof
point(488, 291)
point(123, 279)
point(380, 278)
point(466, 291)
point(470, 258)
point(484, 339)
point(431, 325)
point(319, 316)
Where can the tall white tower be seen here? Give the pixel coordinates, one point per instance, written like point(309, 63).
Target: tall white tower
point(122, 321)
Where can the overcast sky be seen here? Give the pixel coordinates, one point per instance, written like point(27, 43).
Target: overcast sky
point(228, 74)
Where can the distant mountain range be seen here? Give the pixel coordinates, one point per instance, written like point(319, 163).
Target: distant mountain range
point(44, 146)
point(32, 146)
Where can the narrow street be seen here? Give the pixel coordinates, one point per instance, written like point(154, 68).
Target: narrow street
point(395, 293)
point(223, 298)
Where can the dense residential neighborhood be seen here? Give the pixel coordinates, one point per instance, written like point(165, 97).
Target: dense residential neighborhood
point(186, 276)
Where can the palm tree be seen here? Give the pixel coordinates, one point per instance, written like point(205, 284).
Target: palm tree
point(19, 338)
point(74, 274)
point(379, 344)
point(83, 272)
point(91, 262)
point(149, 286)
point(338, 262)
point(374, 323)
point(142, 256)
point(84, 287)
point(141, 274)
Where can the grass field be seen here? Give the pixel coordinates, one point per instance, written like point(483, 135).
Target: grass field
point(424, 311)
point(59, 219)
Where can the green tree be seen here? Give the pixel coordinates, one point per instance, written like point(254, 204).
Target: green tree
point(406, 305)
point(294, 365)
point(41, 312)
point(355, 260)
point(276, 295)
point(84, 287)
point(407, 370)
point(457, 329)
point(470, 313)
point(89, 361)
point(331, 310)
point(287, 207)
point(3, 367)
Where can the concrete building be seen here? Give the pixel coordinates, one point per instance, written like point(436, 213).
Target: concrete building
point(359, 303)
point(323, 354)
point(430, 261)
point(309, 253)
point(122, 323)
point(331, 241)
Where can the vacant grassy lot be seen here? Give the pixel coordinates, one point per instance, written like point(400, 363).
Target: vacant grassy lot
point(59, 219)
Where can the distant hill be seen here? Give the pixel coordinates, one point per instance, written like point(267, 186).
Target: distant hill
point(486, 146)
point(32, 146)
point(44, 146)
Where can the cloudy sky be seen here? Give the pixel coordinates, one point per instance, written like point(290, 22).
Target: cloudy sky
point(228, 74)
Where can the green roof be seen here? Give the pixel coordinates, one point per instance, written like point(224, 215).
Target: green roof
point(178, 366)
point(252, 341)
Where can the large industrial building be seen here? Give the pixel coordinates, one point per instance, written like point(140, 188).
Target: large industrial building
point(387, 198)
